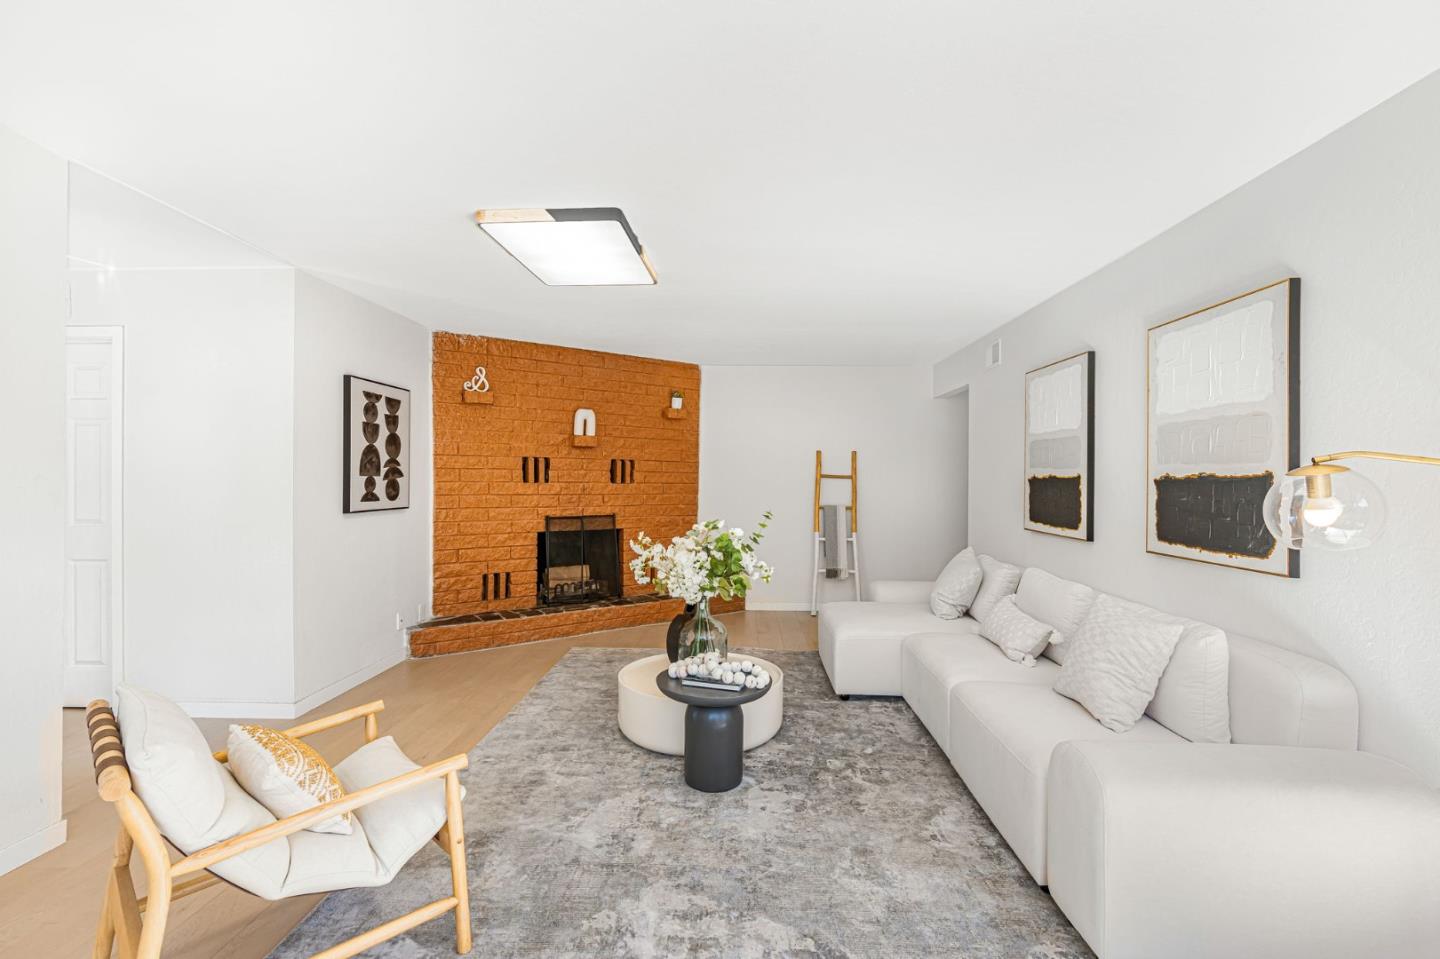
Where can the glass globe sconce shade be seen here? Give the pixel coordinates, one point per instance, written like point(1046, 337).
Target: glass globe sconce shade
point(1322, 506)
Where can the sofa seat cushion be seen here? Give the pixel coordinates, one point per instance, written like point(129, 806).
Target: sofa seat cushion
point(1230, 850)
point(932, 663)
point(1001, 739)
point(860, 642)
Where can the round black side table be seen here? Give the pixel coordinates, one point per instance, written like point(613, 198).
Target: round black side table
point(714, 732)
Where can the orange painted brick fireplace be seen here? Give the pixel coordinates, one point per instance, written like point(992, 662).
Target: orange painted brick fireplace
point(508, 459)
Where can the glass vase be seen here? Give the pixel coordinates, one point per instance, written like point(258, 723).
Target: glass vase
point(704, 634)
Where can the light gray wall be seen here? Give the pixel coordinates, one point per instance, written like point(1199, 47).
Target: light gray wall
point(354, 573)
point(1357, 217)
point(32, 495)
point(759, 429)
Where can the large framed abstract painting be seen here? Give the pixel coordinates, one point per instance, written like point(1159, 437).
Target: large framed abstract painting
point(1060, 447)
point(377, 446)
point(1222, 422)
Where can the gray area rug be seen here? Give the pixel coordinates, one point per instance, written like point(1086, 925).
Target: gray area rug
point(851, 836)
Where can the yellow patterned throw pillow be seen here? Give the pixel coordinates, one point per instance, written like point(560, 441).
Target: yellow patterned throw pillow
point(284, 775)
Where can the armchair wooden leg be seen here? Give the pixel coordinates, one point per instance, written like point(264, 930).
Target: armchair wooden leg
point(119, 918)
point(455, 836)
point(157, 911)
point(105, 932)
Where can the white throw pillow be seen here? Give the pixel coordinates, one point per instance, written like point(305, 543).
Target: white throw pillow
point(1115, 660)
point(956, 586)
point(1019, 637)
point(1059, 602)
point(999, 581)
point(171, 766)
point(285, 775)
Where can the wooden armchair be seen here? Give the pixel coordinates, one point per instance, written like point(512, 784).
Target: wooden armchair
point(138, 924)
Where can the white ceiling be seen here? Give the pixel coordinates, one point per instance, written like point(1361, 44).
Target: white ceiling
point(816, 181)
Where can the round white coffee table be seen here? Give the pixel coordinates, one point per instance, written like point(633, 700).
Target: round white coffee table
point(650, 719)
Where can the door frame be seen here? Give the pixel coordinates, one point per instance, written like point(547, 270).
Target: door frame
point(115, 336)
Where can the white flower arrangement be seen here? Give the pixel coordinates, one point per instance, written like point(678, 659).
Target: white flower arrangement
point(706, 562)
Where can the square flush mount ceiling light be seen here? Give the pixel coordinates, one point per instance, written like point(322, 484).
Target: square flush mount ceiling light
point(593, 246)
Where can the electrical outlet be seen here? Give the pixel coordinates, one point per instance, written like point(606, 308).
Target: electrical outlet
point(399, 623)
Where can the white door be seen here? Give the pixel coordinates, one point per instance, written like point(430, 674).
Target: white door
point(93, 366)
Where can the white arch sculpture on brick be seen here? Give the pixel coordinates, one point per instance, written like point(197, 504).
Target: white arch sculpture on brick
point(584, 422)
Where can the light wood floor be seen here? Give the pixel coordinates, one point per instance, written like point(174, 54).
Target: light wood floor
point(434, 707)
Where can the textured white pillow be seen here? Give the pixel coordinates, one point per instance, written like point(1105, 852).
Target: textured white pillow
point(1059, 602)
point(1000, 580)
point(1115, 660)
point(285, 775)
point(1019, 637)
point(956, 586)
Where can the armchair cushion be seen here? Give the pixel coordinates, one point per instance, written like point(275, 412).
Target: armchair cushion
point(171, 767)
point(196, 802)
point(388, 832)
point(399, 825)
point(193, 799)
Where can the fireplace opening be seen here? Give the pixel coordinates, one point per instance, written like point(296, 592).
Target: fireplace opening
point(578, 560)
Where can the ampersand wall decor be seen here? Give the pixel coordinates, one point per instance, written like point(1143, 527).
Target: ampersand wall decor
point(478, 383)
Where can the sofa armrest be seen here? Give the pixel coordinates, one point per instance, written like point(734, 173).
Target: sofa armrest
point(901, 591)
point(1199, 850)
point(1280, 698)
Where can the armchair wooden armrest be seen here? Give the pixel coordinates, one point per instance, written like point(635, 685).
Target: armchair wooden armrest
point(234, 846)
point(367, 712)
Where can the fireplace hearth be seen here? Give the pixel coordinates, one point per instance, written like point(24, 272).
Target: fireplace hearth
point(578, 560)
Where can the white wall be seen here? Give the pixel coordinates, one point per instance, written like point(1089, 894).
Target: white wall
point(247, 591)
point(354, 573)
point(207, 480)
point(32, 497)
point(1355, 217)
point(209, 408)
point(759, 429)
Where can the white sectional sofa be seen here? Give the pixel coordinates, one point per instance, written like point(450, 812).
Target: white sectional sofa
point(1235, 818)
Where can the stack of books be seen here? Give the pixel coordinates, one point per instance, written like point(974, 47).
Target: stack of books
point(712, 683)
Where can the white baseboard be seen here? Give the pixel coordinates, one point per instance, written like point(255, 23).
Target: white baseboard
point(344, 684)
point(777, 607)
point(227, 709)
point(31, 847)
point(236, 709)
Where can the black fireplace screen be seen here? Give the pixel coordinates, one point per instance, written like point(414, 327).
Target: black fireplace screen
point(578, 559)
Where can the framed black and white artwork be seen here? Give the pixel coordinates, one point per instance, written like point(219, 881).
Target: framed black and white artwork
point(377, 446)
point(1222, 423)
point(1060, 448)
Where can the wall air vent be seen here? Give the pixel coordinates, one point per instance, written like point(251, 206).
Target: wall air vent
point(992, 354)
